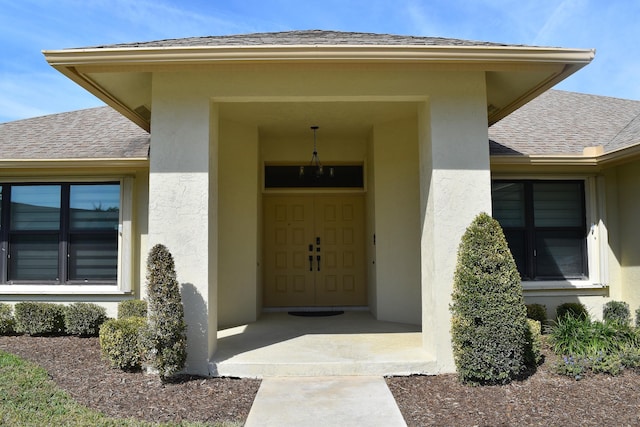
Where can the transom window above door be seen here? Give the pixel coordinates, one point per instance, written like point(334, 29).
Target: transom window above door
point(340, 176)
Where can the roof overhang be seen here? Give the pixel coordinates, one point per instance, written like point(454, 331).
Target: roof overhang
point(587, 161)
point(121, 76)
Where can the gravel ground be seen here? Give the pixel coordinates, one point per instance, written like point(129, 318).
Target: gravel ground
point(542, 399)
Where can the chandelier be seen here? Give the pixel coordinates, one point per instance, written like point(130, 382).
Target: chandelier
point(315, 164)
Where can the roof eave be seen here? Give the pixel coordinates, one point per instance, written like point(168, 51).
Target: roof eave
point(75, 63)
point(69, 164)
point(144, 56)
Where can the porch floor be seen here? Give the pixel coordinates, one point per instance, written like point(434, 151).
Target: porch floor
point(353, 343)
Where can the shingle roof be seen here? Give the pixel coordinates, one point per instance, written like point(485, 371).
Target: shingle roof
point(305, 38)
point(559, 122)
point(95, 133)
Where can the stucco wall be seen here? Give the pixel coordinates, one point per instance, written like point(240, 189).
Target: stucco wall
point(238, 224)
point(397, 219)
point(455, 187)
point(628, 180)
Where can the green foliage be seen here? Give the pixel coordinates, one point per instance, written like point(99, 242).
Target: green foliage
point(39, 318)
point(84, 319)
point(131, 308)
point(120, 342)
point(7, 321)
point(165, 339)
point(533, 354)
point(573, 309)
point(601, 347)
point(638, 318)
point(489, 327)
point(537, 312)
point(616, 311)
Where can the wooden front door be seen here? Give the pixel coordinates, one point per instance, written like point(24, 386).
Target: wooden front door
point(314, 251)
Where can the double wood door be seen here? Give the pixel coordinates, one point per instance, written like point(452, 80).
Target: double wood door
point(314, 251)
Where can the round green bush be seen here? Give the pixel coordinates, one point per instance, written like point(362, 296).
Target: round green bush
point(120, 342)
point(39, 318)
point(132, 307)
point(84, 319)
point(7, 321)
point(537, 312)
point(489, 318)
point(573, 309)
point(616, 311)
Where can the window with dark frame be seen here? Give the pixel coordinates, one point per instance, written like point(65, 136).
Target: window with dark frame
point(545, 225)
point(59, 232)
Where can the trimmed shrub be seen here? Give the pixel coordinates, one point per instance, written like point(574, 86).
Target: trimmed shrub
point(537, 312)
point(165, 339)
point(39, 318)
point(120, 342)
point(489, 318)
point(84, 319)
point(7, 321)
point(616, 311)
point(132, 308)
point(638, 318)
point(533, 355)
point(573, 309)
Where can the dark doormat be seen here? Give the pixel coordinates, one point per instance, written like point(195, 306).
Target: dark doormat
point(316, 313)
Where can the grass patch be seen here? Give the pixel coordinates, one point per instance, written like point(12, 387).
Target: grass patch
point(28, 397)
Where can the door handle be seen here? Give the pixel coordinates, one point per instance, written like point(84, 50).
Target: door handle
point(318, 258)
point(310, 262)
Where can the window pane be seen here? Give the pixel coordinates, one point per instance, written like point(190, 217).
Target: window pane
point(559, 253)
point(508, 203)
point(35, 207)
point(557, 204)
point(518, 247)
point(93, 256)
point(94, 207)
point(33, 257)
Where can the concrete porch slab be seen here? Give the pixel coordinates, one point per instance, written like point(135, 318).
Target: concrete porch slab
point(353, 343)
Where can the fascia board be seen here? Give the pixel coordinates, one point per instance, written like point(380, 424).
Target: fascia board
point(344, 53)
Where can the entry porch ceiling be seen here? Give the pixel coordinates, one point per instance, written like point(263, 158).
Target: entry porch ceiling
point(122, 76)
point(333, 117)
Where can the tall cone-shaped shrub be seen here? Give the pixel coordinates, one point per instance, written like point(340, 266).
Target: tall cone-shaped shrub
point(489, 317)
point(165, 339)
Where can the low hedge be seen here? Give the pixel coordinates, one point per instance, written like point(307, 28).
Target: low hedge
point(131, 308)
point(616, 311)
point(39, 318)
point(574, 309)
point(7, 321)
point(120, 342)
point(84, 319)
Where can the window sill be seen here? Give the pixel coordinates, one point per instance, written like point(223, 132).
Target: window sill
point(563, 287)
point(62, 290)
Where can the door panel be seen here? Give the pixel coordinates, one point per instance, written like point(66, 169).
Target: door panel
point(314, 251)
point(288, 227)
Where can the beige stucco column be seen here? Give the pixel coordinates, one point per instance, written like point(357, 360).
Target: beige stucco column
point(182, 210)
point(454, 187)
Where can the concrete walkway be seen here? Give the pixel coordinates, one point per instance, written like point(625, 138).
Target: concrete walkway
point(324, 401)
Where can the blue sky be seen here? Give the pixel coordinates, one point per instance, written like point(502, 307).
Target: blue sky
point(29, 87)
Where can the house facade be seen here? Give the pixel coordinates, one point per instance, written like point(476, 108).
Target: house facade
point(319, 170)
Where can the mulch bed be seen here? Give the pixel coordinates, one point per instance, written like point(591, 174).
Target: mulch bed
point(543, 398)
point(76, 366)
